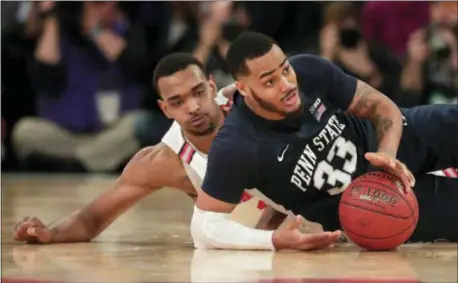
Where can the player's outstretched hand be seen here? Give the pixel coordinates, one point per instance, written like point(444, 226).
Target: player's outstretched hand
point(392, 165)
point(288, 236)
point(32, 231)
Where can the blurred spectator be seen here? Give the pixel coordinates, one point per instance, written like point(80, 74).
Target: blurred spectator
point(390, 23)
point(293, 24)
point(12, 11)
point(19, 35)
point(430, 74)
point(222, 24)
point(87, 61)
point(342, 43)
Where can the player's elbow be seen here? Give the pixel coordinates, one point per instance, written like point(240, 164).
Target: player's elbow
point(197, 231)
point(201, 229)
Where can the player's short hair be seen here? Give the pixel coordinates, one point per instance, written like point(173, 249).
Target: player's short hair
point(248, 46)
point(173, 63)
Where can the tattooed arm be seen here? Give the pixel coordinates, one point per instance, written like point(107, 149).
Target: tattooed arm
point(370, 104)
point(151, 169)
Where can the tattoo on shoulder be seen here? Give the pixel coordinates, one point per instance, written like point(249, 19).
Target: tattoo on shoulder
point(364, 96)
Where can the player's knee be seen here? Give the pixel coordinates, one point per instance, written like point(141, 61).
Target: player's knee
point(25, 134)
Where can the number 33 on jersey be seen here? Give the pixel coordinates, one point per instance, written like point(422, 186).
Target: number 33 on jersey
point(328, 162)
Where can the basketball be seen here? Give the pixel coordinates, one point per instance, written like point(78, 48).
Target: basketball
point(376, 214)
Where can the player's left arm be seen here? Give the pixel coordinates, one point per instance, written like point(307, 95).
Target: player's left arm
point(370, 104)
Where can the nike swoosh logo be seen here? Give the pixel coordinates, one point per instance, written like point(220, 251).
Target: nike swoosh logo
point(280, 158)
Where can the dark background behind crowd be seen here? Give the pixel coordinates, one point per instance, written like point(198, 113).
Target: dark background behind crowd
point(76, 76)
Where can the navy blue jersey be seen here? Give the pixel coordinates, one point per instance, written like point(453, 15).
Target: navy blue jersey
point(294, 161)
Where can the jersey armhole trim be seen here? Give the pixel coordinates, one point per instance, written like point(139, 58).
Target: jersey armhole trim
point(186, 152)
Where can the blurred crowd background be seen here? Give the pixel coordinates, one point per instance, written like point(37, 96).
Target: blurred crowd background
point(77, 91)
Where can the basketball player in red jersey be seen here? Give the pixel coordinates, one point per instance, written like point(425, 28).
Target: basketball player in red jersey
point(179, 161)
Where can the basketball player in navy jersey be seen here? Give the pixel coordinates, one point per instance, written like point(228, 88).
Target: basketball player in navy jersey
point(300, 127)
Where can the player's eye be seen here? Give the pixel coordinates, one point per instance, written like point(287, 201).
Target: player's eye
point(269, 83)
point(199, 93)
point(176, 103)
point(286, 70)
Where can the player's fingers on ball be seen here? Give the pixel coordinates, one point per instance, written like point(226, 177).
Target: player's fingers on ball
point(409, 175)
point(401, 174)
point(24, 219)
point(413, 181)
point(398, 165)
point(411, 178)
point(391, 163)
point(406, 183)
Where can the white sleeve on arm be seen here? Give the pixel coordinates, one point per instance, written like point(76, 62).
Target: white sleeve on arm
point(212, 230)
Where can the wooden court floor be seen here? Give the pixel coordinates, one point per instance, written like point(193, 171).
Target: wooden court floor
point(151, 243)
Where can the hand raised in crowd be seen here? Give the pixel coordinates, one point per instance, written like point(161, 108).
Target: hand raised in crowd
point(329, 41)
point(417, 48)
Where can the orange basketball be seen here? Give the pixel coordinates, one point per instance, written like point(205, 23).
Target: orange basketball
point(376, 214)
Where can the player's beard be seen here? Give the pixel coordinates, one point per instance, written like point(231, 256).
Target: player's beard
point(205, 129)
point(273, 108)
point(209, 129)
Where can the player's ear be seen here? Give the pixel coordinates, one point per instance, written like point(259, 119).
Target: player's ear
point(212, 85)
point(241, 87)
point(163, 107)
